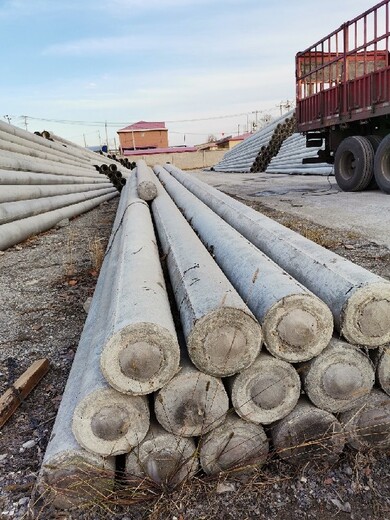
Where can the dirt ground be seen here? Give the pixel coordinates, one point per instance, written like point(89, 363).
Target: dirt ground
point(44, 283)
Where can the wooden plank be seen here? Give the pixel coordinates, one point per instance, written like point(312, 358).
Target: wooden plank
point(15, 395)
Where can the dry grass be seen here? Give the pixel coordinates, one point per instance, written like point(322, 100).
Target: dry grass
point(96, 253)
point(69, 257)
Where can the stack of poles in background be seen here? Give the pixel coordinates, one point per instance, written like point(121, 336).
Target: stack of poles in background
point(43, 181)
point(276, 148)
point(255, 152)
point(231, 392)
point(290, 156)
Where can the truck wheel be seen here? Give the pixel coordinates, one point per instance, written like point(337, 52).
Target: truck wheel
point(382, 165)
point(354, 163)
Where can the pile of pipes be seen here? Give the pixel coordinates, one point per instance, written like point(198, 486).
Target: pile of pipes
point(43, 180)
point(115, 176)
point(255, 152)
point(124, 161)
point(237, 280)
point(289, 159)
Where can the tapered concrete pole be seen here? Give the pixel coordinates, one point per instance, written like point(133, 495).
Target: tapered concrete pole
point(266, 391)
point(17, 231)
point(10, 211)
point(163, 457)
point(32, 154)
point(295, 323)
point(308, 434)
point(30, 178)
point(147, 189)
point(70, 475)
point(192, 403)
point(17, 161)
point(382, 363)
point(368, 426)
point(222, 335)
point(234, 445)
point(340, 378)
point(359, 299)
point(141, 353)
point(10, 193)
point(106, 421)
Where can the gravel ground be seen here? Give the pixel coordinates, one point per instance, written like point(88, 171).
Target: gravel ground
point(44, 283)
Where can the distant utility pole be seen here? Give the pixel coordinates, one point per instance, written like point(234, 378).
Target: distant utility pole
point(105, 127)
point(85, 141)
point(100, 141)
point(25, 121)
point(284, 104)
point(8, 118)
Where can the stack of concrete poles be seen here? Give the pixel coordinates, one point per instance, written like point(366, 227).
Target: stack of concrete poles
point(43, 182)
point(336, 378)
point(213, 270)
point(222, 337)
point(257, 150)
point(289, 159)
point(281, 132)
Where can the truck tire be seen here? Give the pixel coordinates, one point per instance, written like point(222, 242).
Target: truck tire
point(354, 163)
point(382, 165)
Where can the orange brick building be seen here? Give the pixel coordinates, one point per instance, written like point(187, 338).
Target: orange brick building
point(143, 136)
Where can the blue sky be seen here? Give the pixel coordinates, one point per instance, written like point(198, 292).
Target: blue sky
point(122, 61)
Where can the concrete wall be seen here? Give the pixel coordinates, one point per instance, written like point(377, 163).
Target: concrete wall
point(183, 160)
point(144, 139)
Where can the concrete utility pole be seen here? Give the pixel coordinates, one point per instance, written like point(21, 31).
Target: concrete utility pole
point(25, 121)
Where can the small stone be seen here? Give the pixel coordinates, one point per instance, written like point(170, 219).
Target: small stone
point(303, 479)
point(87, 304)
point(225, 487)
point(349, 246)
point(2, 253)
point(62, 223)
point(18, 248)
point(3, 456)
point(348, 470)
point(29, 444)
point(23, 501)
point(343, 506)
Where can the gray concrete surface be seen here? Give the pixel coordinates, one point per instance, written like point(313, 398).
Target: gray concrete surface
point(316, 198)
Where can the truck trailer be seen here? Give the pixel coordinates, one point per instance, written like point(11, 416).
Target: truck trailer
point(343, 100)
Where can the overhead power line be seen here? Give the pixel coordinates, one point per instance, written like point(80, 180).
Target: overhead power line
point(121, 123)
